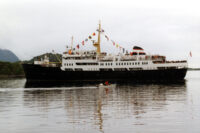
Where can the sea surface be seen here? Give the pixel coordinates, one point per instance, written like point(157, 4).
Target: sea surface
point(92, 108)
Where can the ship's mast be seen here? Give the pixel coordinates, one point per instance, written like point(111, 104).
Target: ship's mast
point(97, 44)
point(72, 42)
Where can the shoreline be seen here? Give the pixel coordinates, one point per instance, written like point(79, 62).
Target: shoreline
point(193, 69)
point(11, 76)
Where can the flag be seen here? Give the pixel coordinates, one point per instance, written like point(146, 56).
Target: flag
point(94, 34)
point(70, 51)
point(190, 54)
point(77, 46)
point(107, 38)
point(113, 42)
point(82, 42)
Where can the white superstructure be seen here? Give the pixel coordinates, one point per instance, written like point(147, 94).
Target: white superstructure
point(137, 60)
point(95, 60)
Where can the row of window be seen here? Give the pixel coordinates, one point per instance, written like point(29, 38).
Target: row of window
point(125, 63)
point(128, 63)
point(91, 63)
point(68, 64)
point(107, 64)
point(103, 69)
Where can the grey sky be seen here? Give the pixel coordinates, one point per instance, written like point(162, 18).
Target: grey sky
point(168, 27)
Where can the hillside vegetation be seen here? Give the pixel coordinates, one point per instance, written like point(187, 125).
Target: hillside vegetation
point(11, 69)
point(15, 69)
point(52, 57)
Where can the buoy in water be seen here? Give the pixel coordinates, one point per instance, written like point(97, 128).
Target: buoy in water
point(106, 83)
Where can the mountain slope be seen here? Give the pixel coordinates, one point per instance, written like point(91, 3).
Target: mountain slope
point(8, 56)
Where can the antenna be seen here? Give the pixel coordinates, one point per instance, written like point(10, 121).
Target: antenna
point(72, 42)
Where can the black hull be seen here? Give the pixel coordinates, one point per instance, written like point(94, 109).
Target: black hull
point(39, 73)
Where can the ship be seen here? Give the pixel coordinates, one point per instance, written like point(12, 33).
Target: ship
point(94, 65)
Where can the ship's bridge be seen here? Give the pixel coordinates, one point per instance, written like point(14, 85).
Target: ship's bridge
point(138, 51)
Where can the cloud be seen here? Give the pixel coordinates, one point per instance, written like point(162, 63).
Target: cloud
point(34, 27)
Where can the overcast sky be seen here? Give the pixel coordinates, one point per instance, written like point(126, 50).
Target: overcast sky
point(166, 27)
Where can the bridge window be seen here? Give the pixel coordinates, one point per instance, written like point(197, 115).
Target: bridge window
point(89, 63)
point(134, 53)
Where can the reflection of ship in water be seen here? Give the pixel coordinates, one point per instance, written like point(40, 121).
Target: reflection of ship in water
point(147, 97)
point(95, 106)
point(39, 84)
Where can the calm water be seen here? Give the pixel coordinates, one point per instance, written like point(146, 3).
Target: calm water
point(120, 108)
